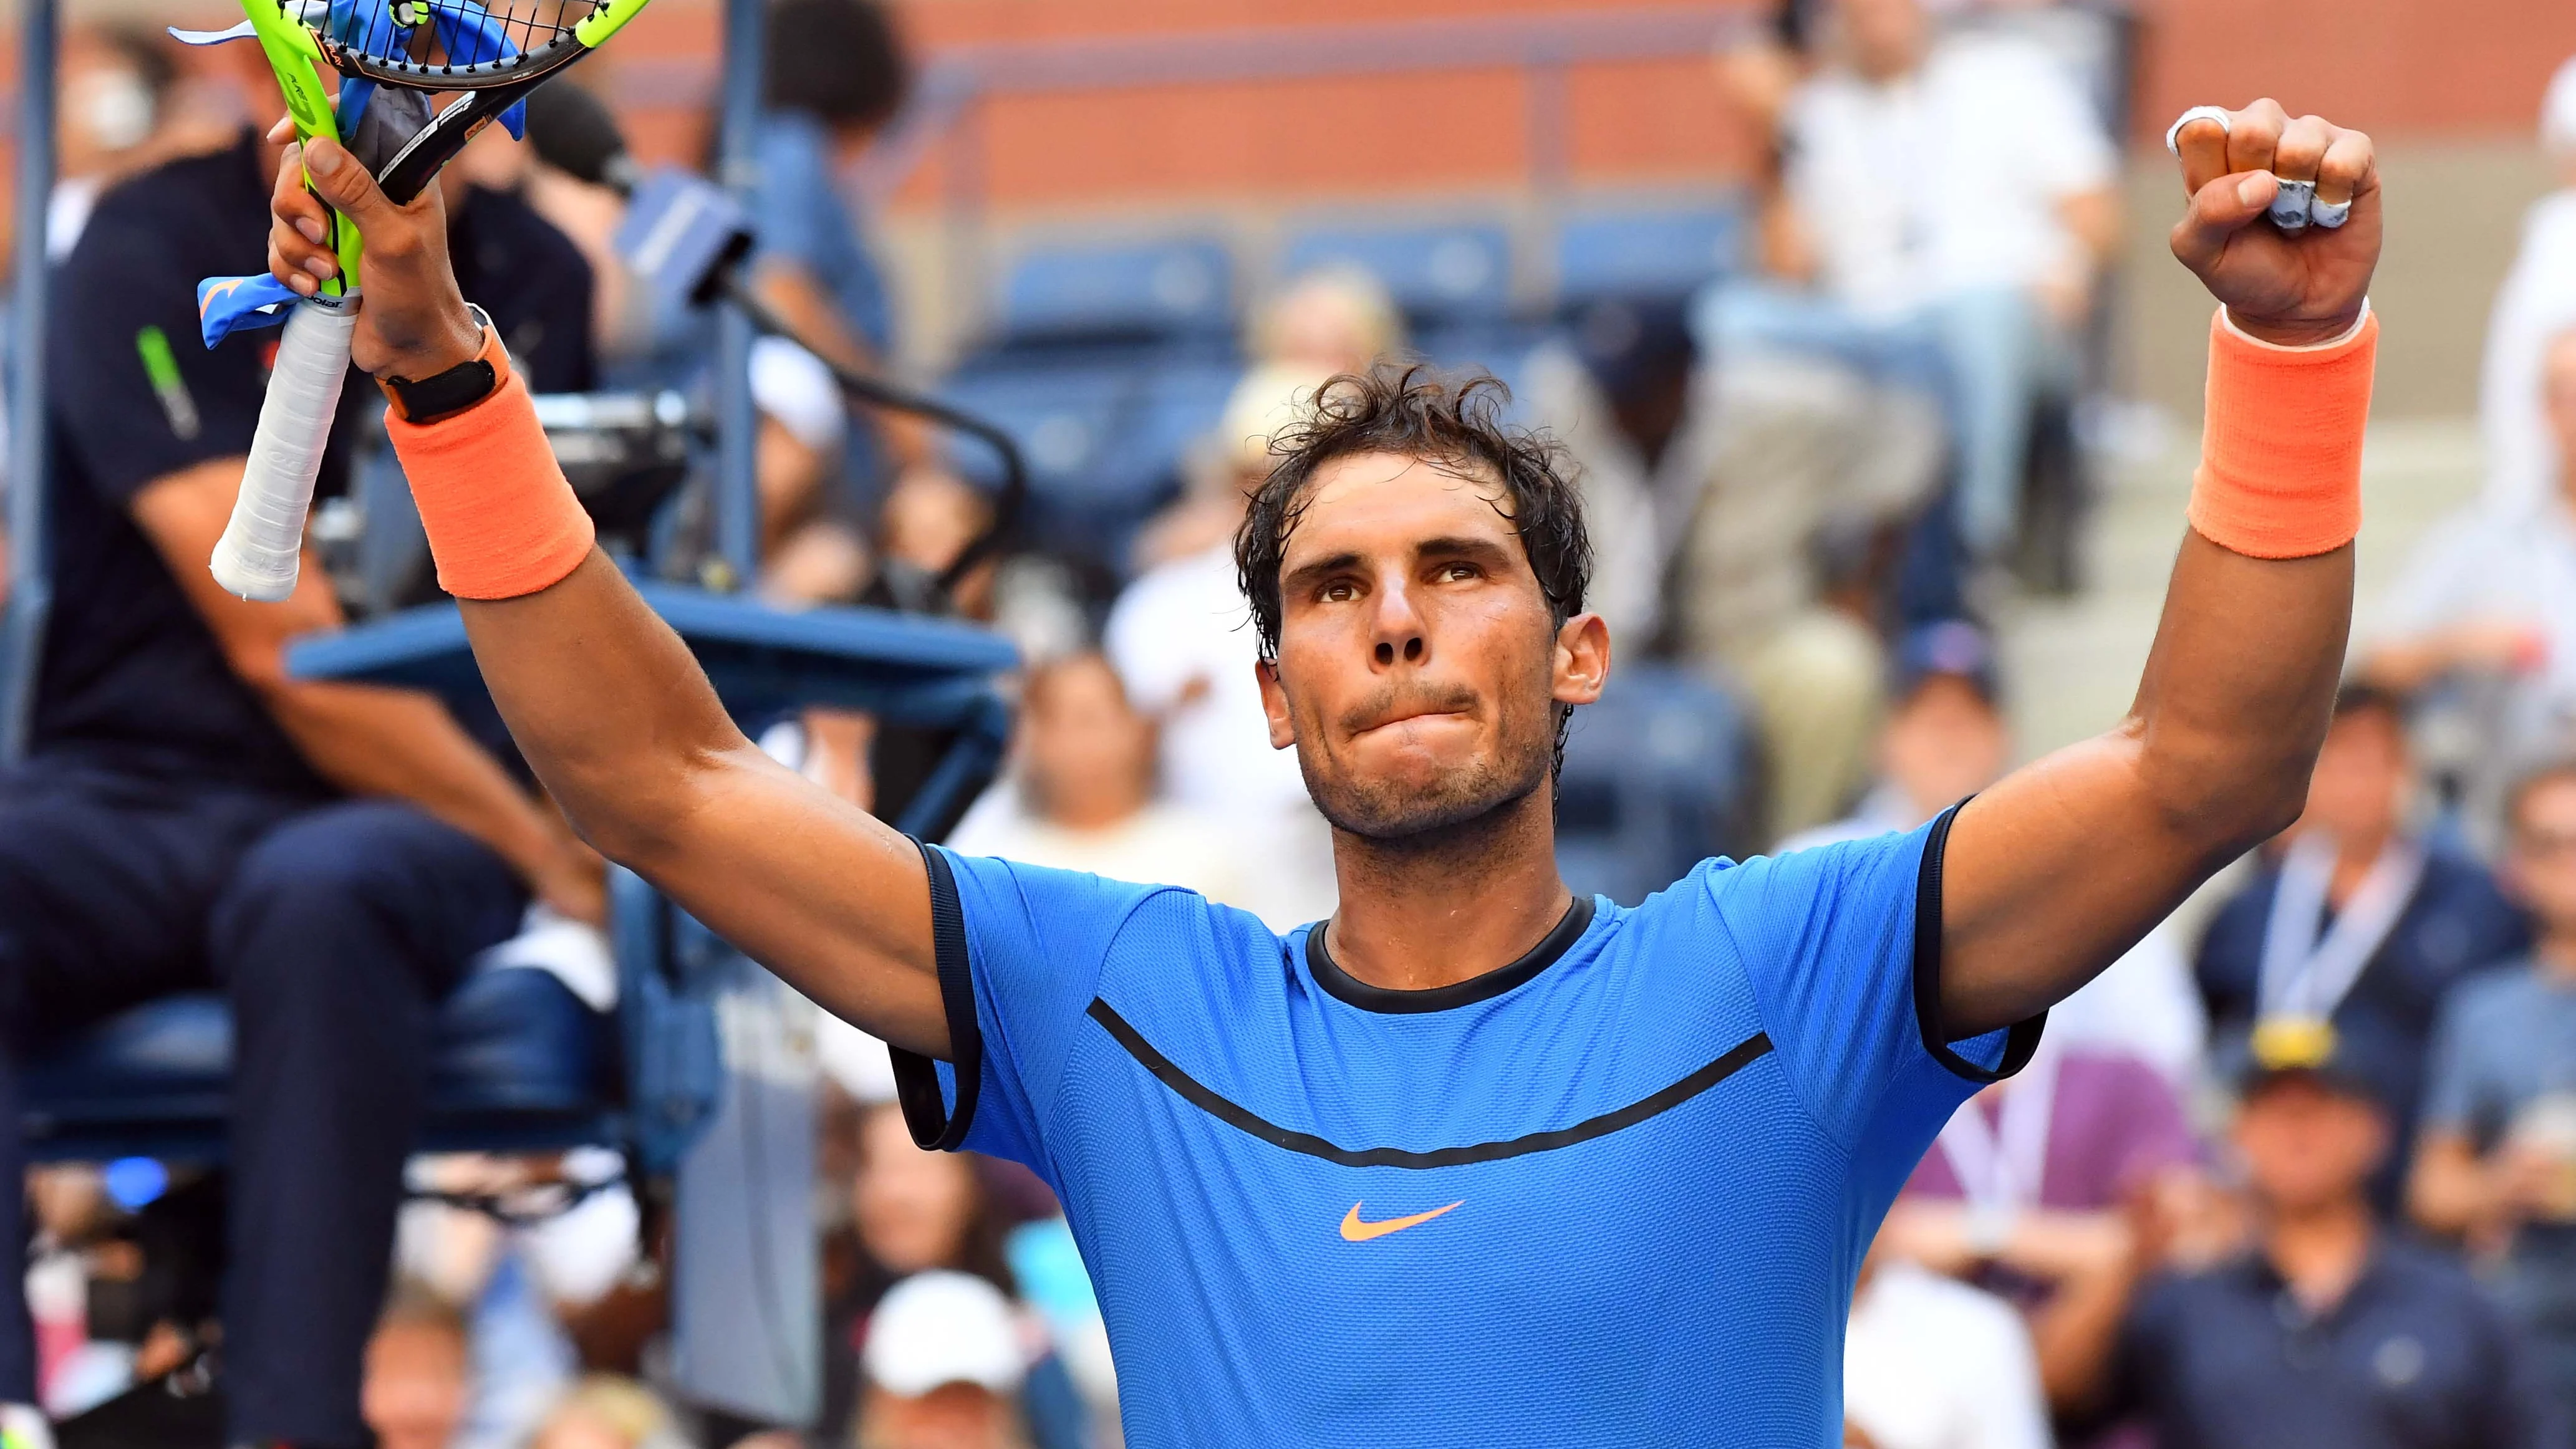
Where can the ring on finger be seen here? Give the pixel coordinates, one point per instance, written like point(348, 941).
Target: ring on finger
point(2173, 133)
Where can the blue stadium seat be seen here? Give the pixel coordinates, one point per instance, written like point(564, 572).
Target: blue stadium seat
point(519, 1063)
point(1153, 290)
point(1178, 405)
point(1459, 271)
point(1658, 777)
point(1645, 255)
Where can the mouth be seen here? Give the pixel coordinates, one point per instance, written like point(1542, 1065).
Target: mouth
point(1414, 717)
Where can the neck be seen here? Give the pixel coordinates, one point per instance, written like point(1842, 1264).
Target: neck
point(2353, 859)
point(2556, 951)
point(1449, 905)
point(2320, 1251)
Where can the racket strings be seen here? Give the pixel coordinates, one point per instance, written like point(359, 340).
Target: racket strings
point(428, 37)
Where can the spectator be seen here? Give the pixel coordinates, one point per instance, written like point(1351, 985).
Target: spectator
point(2496, 1165)
point(2330, 1332)
point(112, 107)
point(1180, 637)
point(2357, 920)
point(944, 1364)
point(2526, 452)
point(417, 1382)
point(605, 1412)
point(924, 1215)
point(190, 816)
point(1947, 739)
point(1938, 258)
point(1083, 796)
point(1929, 1363)
point(2489, 601)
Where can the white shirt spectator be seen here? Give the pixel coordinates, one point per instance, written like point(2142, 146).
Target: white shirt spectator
point(1929, 1363)
point(2502, 563)
point(1161, 844)
point(1181, 640)
point(1910, 197)
point(2536, 302)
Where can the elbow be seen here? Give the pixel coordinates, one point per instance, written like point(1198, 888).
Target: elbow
point(636, 813)
point(2225, 797)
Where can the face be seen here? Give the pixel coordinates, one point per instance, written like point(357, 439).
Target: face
point(1885, 36)
point(2307, 1147)
point(104, 105)
point(912, 1207)
point(953, 1416)
point(414, 1396)
point(1089, 755)
point(1419, 671)
point(2364, 774)
point(2540, 858)
point(1943, 744)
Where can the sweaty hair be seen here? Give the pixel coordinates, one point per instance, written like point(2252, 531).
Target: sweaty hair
point(839, 61)
point(1415, 411)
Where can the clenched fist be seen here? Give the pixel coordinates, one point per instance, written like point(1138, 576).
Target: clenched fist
point(2292, 288)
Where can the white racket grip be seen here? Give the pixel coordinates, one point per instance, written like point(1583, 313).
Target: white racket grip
point(257, 556)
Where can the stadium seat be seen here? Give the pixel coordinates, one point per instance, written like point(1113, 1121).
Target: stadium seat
point(1644, 255)
point(1068, 416)
point(1178, 287)
point(1455, 272)
point(1658, 777)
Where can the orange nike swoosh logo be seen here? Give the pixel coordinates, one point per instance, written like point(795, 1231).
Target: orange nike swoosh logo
point(1355, 1231)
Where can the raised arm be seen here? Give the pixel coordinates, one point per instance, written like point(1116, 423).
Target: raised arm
point(604, 700)
point(2053, 873)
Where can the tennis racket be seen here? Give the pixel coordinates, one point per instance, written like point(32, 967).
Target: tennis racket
point(397, 58)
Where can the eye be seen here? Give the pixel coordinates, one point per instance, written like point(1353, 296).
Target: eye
point(1452, 573)
point(1339, 591)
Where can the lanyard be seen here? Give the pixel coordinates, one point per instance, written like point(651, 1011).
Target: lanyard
point(2305, 975)
point(1999, 1167)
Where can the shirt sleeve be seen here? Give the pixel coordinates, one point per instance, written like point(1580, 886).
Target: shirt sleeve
point(135, 393)
point(1842, 945)
point(1020, 951)
point(2450, 1068)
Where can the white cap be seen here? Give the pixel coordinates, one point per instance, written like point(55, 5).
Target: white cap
point(944, 1328)
point(2558, 112)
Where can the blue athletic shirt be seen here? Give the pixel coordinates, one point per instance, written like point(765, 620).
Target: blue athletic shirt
point(1614, 1193)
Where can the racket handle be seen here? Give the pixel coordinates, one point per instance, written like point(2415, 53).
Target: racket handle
point(257, 556)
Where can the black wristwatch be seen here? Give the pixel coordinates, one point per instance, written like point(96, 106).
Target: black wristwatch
point(458, 388)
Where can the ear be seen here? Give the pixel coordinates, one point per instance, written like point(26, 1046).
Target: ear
point(1582, 659)
point(1274, 703)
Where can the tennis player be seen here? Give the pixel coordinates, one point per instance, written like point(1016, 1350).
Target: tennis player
point(1474, 1161)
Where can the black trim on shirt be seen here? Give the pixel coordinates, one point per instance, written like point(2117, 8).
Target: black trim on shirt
point(1191, 1090)
point(2021, 1041)
point(916, 1077)
point(1569, 928)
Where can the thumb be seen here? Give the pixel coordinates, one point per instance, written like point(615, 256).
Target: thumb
point(344, 183)
point(2218, 211)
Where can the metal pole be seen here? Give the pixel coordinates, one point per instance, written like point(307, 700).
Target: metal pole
point(737, 423)
point(31, 585)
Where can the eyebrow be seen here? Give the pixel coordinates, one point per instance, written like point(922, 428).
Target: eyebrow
point(1307, 575)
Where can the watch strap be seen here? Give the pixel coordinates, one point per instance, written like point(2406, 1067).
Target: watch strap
point(448, 393)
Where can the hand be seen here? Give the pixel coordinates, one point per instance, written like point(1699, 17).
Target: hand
point(2503, 646)
point(2292, 289)
point(563, 872)
point(412, 321)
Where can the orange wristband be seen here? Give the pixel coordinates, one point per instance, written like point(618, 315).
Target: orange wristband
point(501, 519)
point(2280, 455)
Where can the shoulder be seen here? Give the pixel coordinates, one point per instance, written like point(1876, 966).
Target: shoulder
point(2492, 995)
point(2434, 1280)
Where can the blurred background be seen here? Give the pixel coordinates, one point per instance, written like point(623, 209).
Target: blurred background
point(1856, 316)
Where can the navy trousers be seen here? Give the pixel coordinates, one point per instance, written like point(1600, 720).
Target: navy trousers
point(335, 930)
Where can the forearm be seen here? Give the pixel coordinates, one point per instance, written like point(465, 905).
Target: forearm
point(394, 743)
point(2078, 1332)
point(2451, 1191)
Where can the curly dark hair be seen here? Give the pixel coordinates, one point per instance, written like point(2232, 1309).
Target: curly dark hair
point(1415, 410)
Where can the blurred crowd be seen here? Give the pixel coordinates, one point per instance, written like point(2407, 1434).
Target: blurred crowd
point(2302, 1174)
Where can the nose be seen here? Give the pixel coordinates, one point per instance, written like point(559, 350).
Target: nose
point(1397, 628)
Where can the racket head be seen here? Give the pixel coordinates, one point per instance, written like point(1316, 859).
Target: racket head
point(444, 45)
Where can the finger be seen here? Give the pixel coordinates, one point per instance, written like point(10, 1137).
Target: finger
point(2349, 169)
point(283, 131)
point(2218, 211)
point(2202, 145)
point(2301, 147)
point(344, 183)
point(296, 207)
point(2253, 134)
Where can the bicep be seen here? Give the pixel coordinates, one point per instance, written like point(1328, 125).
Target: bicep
point(812, 887)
